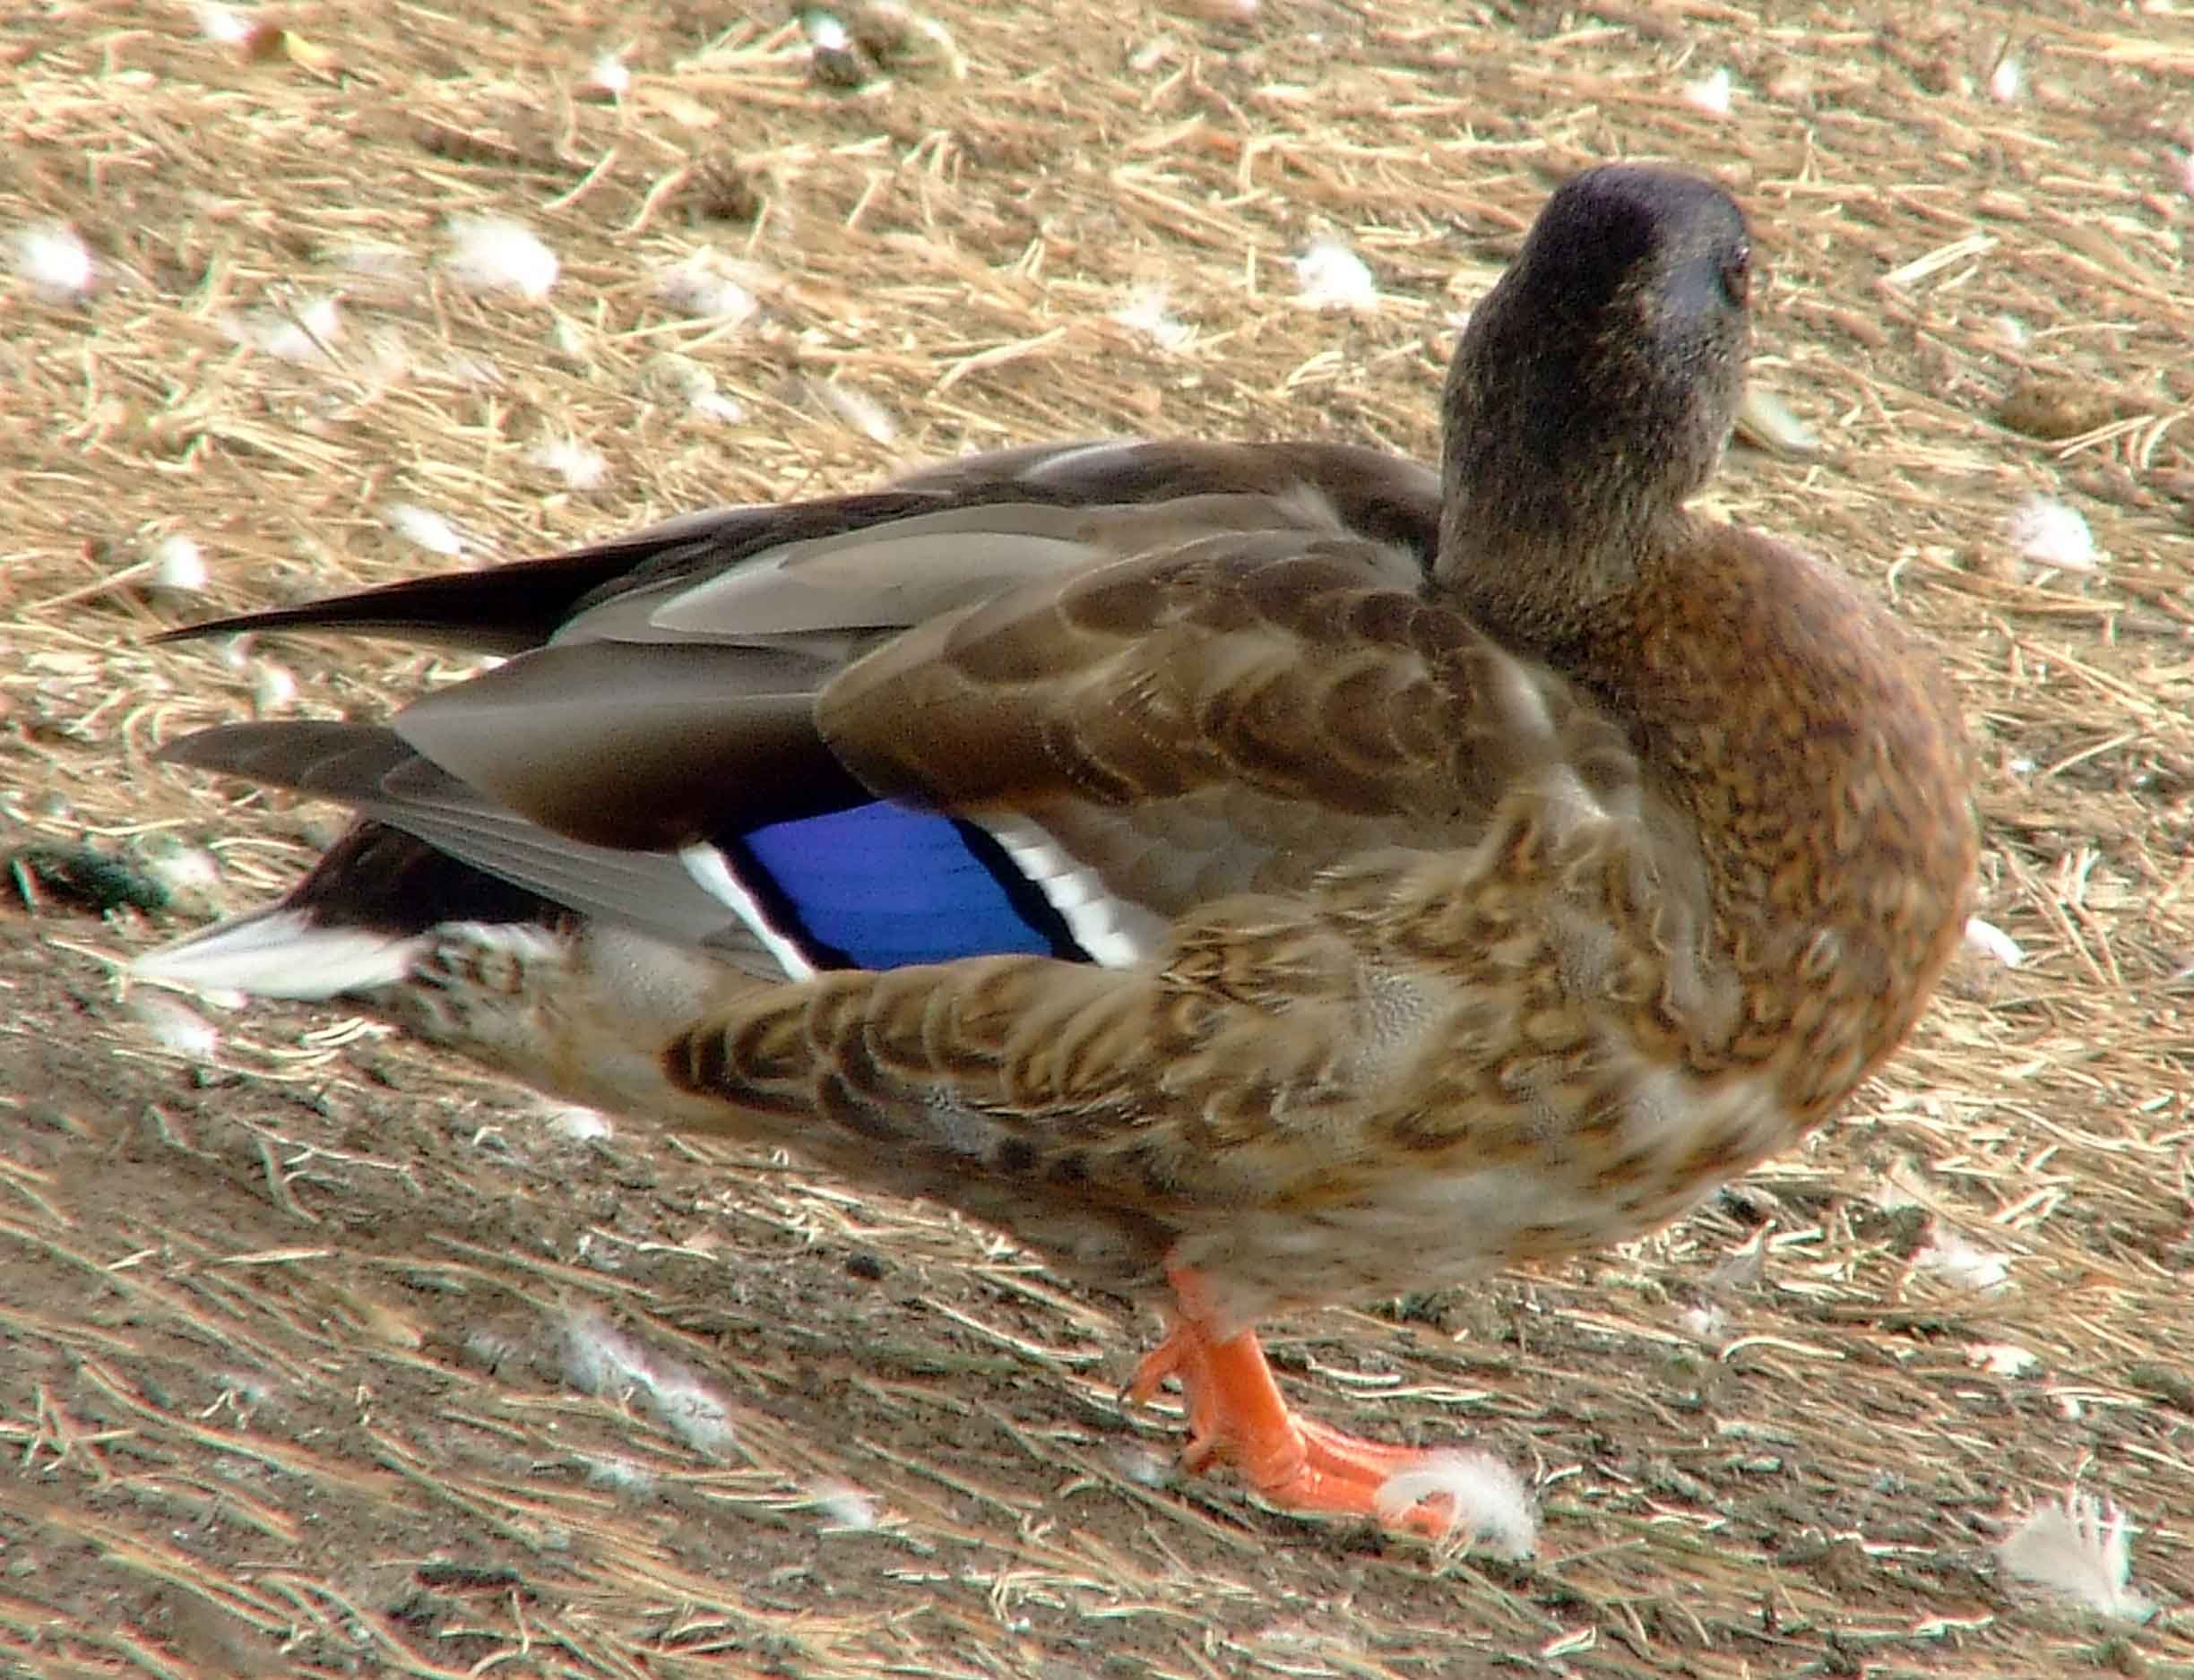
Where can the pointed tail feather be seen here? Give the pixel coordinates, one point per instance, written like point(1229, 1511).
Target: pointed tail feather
point(281, 951)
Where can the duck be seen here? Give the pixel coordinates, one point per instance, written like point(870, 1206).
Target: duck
point(1255, 877)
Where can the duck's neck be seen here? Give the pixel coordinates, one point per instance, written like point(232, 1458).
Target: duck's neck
point(1529, 587)
point(1557, 486)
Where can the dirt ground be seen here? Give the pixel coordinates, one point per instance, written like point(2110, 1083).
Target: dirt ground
point(325, 1356)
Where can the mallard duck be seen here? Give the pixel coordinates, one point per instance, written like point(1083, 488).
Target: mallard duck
point(1255, 877)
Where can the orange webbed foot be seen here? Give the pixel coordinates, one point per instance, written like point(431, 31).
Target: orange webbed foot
point(1237, 1417)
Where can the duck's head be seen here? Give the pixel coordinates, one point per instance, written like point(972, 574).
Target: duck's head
point(1591, 395)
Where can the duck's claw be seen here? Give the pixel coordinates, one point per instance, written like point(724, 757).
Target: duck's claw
point(1237, 1417)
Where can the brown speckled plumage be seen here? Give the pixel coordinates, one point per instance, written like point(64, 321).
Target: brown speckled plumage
point(1472, 874)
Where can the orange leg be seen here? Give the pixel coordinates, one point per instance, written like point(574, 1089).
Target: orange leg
point(1237, 1417)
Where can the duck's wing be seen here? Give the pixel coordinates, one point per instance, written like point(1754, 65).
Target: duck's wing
point(1087, 713)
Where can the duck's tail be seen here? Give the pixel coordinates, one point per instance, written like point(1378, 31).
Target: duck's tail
point(362, 921)
point(571, 1004)
point(279, 950)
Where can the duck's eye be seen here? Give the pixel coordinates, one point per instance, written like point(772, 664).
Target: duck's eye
point(1736, 274)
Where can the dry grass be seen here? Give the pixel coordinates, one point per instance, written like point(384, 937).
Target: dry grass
point(289, 1383)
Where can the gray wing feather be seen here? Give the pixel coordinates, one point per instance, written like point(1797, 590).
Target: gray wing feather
point(373, 771)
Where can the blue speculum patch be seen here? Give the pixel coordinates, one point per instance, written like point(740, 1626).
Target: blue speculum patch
point(882, 886)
